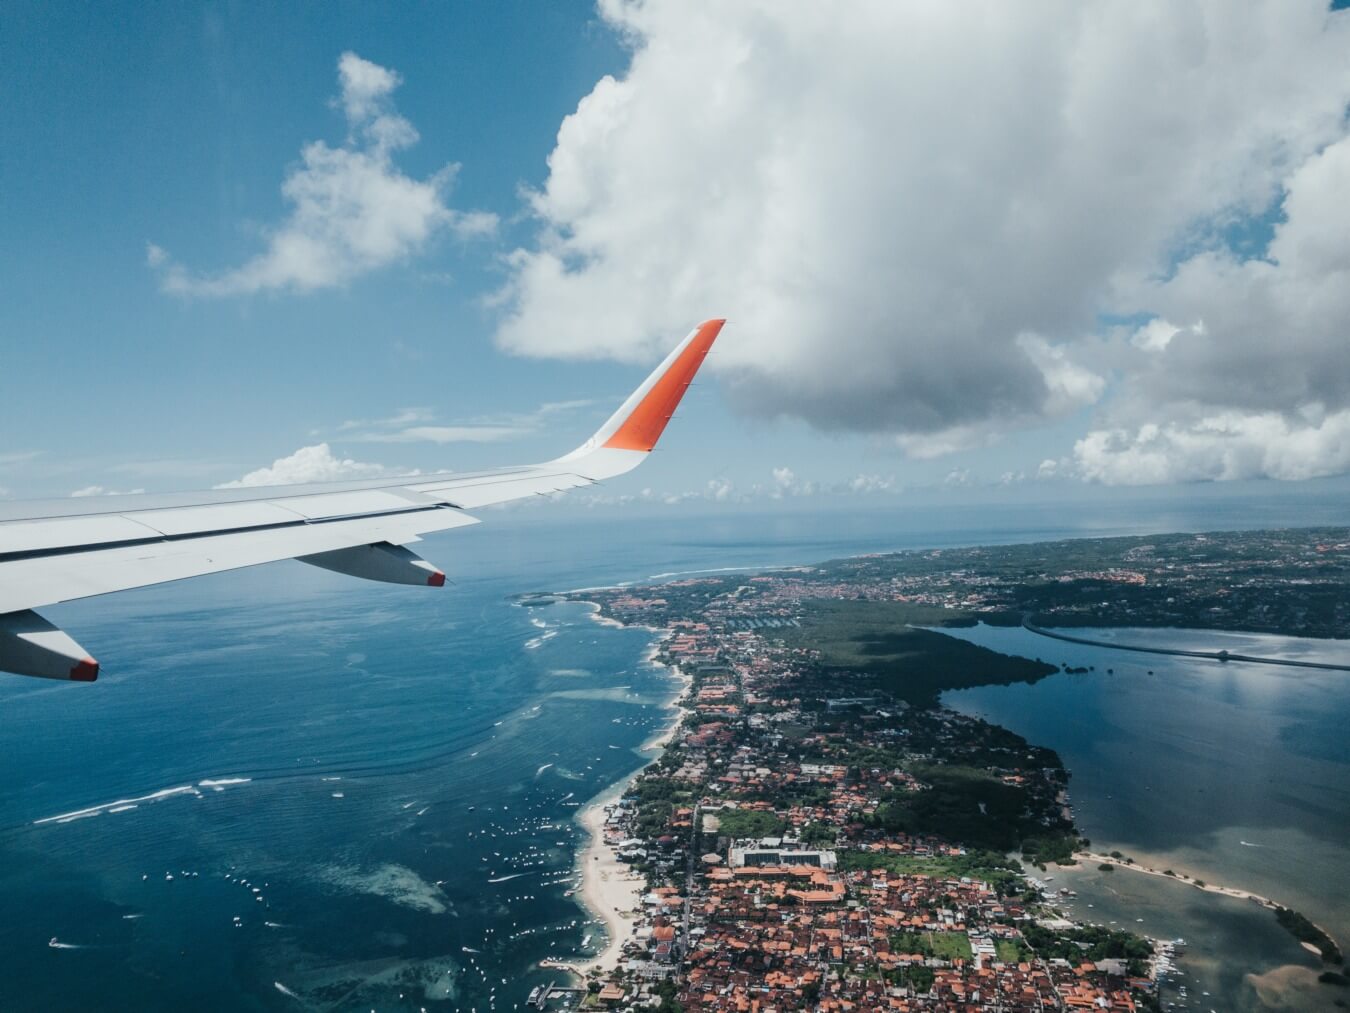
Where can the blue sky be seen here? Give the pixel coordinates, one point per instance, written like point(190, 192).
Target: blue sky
point(172, 127)
point(175, 124)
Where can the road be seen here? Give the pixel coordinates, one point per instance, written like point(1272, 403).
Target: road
point(1209, 655)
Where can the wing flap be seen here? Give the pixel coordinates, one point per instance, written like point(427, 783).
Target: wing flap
point(61, 532)
point(347, 504)
point(221, 517)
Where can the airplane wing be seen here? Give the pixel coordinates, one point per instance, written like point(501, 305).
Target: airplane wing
point(56, 552)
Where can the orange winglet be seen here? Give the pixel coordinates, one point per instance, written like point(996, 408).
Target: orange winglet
point(644, 426)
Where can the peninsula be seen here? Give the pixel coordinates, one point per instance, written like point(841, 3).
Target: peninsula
point(820, 833)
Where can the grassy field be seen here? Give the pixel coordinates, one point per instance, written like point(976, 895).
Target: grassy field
point(950, 945)
point(943, 945)
point(748, 823)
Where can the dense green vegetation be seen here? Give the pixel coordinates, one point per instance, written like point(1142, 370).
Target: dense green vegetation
point(1295, 582)
point(987, 866)
point(916, 976)
point(818, 835)
point(1089, 942)
point(877, 639)
point(972, 806)
point(654, 789)
point(1057, 848)
point(1306, 932)
point(653, 817)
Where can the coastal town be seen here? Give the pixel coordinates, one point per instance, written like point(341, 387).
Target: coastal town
point(819, 834)
point(787, 848)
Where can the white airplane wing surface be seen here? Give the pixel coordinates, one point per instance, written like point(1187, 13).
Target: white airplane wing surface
point(60, 551)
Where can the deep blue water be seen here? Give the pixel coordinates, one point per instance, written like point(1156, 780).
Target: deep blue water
point(403, 749)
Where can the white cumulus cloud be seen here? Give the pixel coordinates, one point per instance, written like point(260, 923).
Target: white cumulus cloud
point(917, 216)
point(317, 463)
point(867, 483)
point(1230, 445)
point(445, 434)
point(352, 210)
point(98, 490)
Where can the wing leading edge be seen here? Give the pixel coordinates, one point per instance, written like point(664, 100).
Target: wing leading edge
point(51, 553)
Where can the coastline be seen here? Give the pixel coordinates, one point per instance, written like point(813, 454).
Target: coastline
point(609, 889)
point(1207, 887)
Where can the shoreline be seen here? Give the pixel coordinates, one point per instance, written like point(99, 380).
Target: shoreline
point(1207, 887)
point(609, 889)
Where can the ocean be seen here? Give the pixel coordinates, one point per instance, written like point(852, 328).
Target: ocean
point(291, 790)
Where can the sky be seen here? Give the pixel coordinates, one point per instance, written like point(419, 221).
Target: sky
point(1028, 250)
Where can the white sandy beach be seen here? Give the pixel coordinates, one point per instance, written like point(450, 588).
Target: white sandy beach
point(1188, 880)
point(609, 888)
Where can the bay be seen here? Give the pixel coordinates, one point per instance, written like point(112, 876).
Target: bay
point(1235, 773)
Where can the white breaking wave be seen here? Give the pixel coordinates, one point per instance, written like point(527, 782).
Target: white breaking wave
point(284, 990)
point(542, 769)
point(534, 643)
point(122, 805)
point(154, 796)
point(221, 783)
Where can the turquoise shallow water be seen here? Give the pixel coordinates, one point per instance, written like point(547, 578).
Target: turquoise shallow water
point(1236, 773)
point(396, 771)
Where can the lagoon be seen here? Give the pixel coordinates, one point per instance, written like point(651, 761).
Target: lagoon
point(1236, 773)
